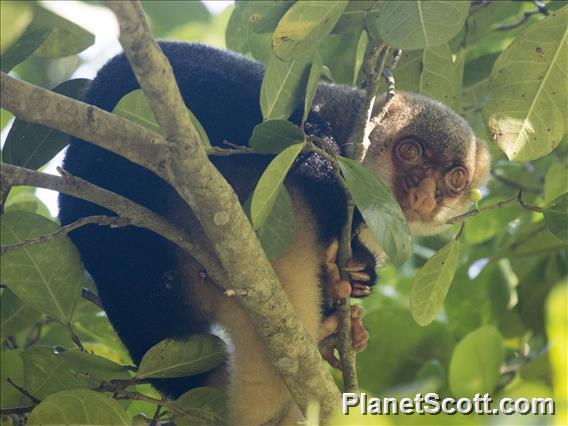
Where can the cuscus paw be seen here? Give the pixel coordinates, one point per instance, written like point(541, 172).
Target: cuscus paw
point(360, 285)
point(330, 326)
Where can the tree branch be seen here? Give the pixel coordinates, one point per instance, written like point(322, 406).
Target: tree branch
point(109, 131)
point(128, 210)
point(291, 349)
point(113, 222)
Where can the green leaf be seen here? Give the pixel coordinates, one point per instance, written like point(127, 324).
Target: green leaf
point(303, 27)
point(277, 232)
point(25, 200)
point(556, 181)
point(65, 37)
point(475, 363)
point(556, 217)
point(11, 366)
point(431, 72)
point(27, 44)
point(268, 186)
point(166, 15)
point(527, 110)
point(49, 370)
point(48, 276)
point(5, 117)
point(33, 145)
point(352, 17)
point(236, 33)
point(78, 407)
point(556, 318)
point(262, 16)
point(15, 17)
point(533, 240)
point(282, 87)
point(380, 210)
point(176, 358)
point(15, 315)
point(432, 283)
point(339, 53)
point(417, 24)
point(134, 106)
point(272, 136)
point(312, 86)
point(206, 403)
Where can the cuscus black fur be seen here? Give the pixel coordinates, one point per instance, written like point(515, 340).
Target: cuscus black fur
point(134, 269)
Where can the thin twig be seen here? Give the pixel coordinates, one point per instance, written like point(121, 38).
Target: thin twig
point(136, 214)
point(23, 391)
point(92, 297)
point(514, 184)
point(113, 222)
point(17, 410)
point(221, 152)
point(75, 338)
point(474, 212)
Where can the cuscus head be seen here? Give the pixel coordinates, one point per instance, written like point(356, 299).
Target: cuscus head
point(430, 158)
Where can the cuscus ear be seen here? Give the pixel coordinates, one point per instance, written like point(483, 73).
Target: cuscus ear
point(482, 163)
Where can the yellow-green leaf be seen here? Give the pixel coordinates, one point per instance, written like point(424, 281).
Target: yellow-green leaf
point(528, 106)
point(432, 283)
point(268, 186)
point(418, 24)
point(304, 26)
point(48, 276)
point(177, 358)
point(15, 17)
point(78, 407)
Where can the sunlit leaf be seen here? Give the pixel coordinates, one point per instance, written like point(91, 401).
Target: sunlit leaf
point(380, 210)
point(47, 276)
point(418, 24)
point(339, 54)
point(272, 136)
point(15, 17)
point(135, 107)
point(27, 44)
point(267, 188)
point(556, 322)
point(33, 145)
point(282, 87)
point(304, 26)
point(475, 363)
point(79, 407)
point(25, 200)
point(432, 283)
point(204, 402)
point(556, 217)
point(527, 110)
point(180, 358)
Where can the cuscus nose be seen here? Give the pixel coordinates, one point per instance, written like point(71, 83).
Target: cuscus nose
point(422, 198)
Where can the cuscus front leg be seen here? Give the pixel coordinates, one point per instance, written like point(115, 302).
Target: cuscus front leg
point(342, 289)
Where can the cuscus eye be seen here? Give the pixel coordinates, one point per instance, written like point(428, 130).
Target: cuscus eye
point(409, 151)
point(456, 178)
